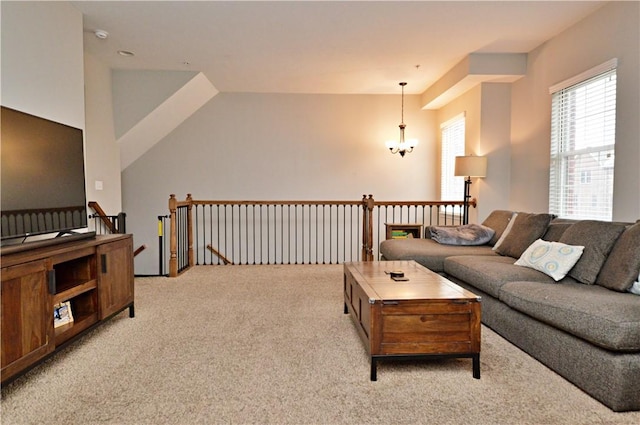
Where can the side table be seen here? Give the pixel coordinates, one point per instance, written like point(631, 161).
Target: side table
point(403, 230)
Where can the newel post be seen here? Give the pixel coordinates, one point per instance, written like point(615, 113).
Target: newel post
point(367, 227)
point(173, 239)
point(190, 228)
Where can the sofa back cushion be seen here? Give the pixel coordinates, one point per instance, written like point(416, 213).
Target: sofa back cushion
point(556, 229)
point(525, 230)
point(598, 238)
point(498, 221)
point(622, 266)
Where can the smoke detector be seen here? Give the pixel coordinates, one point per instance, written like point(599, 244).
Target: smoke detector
point(101, 34)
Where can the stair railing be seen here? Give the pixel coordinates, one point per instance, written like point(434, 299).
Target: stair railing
point(206, 232)
point(110, 224)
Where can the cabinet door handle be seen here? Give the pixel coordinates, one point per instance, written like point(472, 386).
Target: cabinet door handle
point(103, 261)
point(51, 277)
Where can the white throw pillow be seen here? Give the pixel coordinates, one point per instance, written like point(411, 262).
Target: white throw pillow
point(635, 288)
point(551, 258)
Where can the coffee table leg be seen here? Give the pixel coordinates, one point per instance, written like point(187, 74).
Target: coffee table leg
point(374, 369)
point(476, 366)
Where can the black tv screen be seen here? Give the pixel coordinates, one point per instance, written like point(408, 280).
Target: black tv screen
point(42, 182)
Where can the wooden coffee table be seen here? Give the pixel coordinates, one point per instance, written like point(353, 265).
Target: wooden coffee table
point(427, 316)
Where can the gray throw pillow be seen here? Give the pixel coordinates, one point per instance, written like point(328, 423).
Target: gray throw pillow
point(525, 230)
point(622, 266)
point(598, 238)
point(498, 221)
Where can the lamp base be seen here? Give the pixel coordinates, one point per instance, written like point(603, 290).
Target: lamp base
point(467, 197)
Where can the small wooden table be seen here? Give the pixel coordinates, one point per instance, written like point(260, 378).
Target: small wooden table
point(426, 316)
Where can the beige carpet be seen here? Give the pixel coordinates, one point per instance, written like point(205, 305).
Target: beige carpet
point(270, 345)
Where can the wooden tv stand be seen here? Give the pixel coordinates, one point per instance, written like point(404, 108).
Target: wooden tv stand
point(95, 275)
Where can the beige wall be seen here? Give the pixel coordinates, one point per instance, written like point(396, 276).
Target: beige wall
point(611, 32)
point(494, 143)
point(487, 109)
point(281, 147)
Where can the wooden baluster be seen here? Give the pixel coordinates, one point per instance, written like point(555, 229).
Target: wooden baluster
point(190, 229)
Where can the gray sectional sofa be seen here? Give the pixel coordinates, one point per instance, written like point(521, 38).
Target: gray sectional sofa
point(585, 326)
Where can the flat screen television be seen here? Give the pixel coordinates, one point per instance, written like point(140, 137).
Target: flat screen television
point(42, 180)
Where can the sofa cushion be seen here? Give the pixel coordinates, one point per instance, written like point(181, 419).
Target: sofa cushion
point(556, 229)
point(468, 234)
point(622, 266)
point(605, 318)
point(551, 258)
point(427, 252)
point(526, 228)
point(498, 221)
point(598, 238)
point(488, 274)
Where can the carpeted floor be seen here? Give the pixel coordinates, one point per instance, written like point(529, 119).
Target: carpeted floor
point(270, 345)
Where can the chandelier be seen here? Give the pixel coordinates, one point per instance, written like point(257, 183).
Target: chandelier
point(401, 146)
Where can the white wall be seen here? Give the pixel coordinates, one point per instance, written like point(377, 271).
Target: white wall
point(281, 147)
point(611, 32)
point(101, 149)
point(42, 60)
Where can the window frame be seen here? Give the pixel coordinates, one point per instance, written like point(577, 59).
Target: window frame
point(452, 131)
point(571, 150)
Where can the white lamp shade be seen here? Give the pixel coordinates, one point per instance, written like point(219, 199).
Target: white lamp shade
point(471, 166)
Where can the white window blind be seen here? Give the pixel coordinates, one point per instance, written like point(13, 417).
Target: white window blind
point(451, 187)
point(583, 121)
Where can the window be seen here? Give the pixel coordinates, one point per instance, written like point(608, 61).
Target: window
point(451, 187)
point(583, 121)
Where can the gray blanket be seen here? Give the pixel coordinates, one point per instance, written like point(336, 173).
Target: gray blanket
point(468, 234)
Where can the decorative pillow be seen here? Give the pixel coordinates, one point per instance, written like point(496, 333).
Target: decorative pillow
point(622, 266)
point(506, 231)
point(635, 288)
point(498, 221)
point(469, 234)
point(526, 228)
point(598, 238)
point(554, 259)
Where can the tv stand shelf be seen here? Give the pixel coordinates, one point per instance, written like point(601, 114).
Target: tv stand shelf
point(95, 276)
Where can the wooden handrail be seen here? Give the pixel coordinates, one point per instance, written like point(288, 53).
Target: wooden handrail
point(201, 202)
point(472, 203)
point(139, 250)
point(99, 213)
point(103, 216)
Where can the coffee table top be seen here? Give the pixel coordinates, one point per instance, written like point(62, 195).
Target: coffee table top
point(423, 284)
